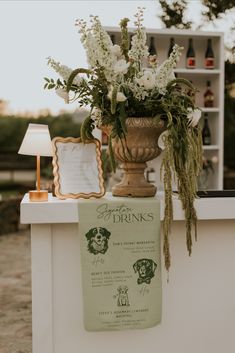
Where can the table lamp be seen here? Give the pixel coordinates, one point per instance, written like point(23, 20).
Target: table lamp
point(37, 142)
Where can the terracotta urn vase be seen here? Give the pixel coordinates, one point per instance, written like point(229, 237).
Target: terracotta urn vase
point(140, 146)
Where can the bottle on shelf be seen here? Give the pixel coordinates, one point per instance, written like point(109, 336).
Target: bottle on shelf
point(172, 43)
point(209, 96)
point(152, 58)
point(190, 56)
point(209, 56)
point(206, 132)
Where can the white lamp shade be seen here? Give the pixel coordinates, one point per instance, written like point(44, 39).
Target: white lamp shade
point(37, 141)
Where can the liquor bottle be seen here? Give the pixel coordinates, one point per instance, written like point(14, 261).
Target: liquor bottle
point(172, 43)
point(206, 133)
point(209, 56)
point(190, 56)
point(152, 58)
point(208, 96)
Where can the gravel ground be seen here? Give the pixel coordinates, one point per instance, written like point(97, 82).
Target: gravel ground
point(15, 293)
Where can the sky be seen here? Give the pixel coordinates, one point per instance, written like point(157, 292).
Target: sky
point(33, 30)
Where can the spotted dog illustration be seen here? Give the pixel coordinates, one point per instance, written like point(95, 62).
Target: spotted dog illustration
point(98, 240)
point(122, 295)
point(146, 269)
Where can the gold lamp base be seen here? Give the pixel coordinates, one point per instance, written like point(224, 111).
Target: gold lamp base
point(38, 196)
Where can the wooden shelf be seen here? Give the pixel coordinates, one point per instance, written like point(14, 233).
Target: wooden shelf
point(210, 147)
point(197, 71)
point(209, 110)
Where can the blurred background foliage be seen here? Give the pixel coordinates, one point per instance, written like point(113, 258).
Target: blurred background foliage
point(13, 128)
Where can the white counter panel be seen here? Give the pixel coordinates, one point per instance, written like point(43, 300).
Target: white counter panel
point(198, 314)
point(65, 211)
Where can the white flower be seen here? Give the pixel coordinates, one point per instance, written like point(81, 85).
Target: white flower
point(116, 50)
point(139, 49)
point(61, 92)
point(194, 117)
point(162, 138)
point(120, 96)
point(77, 80)
point(97, 44)
point(164, 72)
point(64, 71)
point(147, 80)
point(215, 159)
point(121, 66)
point(172, 76)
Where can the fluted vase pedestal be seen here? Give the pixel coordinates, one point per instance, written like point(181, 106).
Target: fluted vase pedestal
point(140, 146)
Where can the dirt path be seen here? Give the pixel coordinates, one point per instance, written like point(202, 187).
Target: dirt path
point(15, 293)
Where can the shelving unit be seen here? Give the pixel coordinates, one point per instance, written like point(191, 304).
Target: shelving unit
point(199, 76)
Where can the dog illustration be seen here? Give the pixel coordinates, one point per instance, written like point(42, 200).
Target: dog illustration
point(98, 240)
point(145, 269)
point(122, 296)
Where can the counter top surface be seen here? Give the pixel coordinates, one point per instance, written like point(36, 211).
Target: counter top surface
point(66, 211)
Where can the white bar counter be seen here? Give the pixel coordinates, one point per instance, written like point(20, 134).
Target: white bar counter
point(198, 313)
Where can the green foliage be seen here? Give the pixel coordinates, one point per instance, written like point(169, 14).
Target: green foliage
point(173, 11)
point(124, 37)
point(229, 73)
point(13, 129)
point(86, 129)
point(229, 131)
point(215, 9)
point(69, 85)
point(51, 84)
point(173, 14)
point(229, 117)
point(182, 161)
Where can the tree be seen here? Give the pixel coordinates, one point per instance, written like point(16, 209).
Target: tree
point(229, 122)
point(216, 8)
point(13, 129)
point(173, 14)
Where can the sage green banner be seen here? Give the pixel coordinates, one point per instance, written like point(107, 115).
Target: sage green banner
point(121, 268)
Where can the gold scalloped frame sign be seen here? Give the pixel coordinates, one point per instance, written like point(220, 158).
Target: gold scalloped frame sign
point(77, 168)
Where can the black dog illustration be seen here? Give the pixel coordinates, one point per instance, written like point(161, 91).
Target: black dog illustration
point(145, 269)
point(122, 296)
point(98, 240)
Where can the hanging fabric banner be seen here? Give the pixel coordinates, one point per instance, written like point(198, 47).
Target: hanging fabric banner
point(121, 263)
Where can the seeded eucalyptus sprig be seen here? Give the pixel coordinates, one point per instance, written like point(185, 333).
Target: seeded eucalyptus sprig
point(51, 84)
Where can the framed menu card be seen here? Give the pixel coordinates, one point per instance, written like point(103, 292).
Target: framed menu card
point(77, 168)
